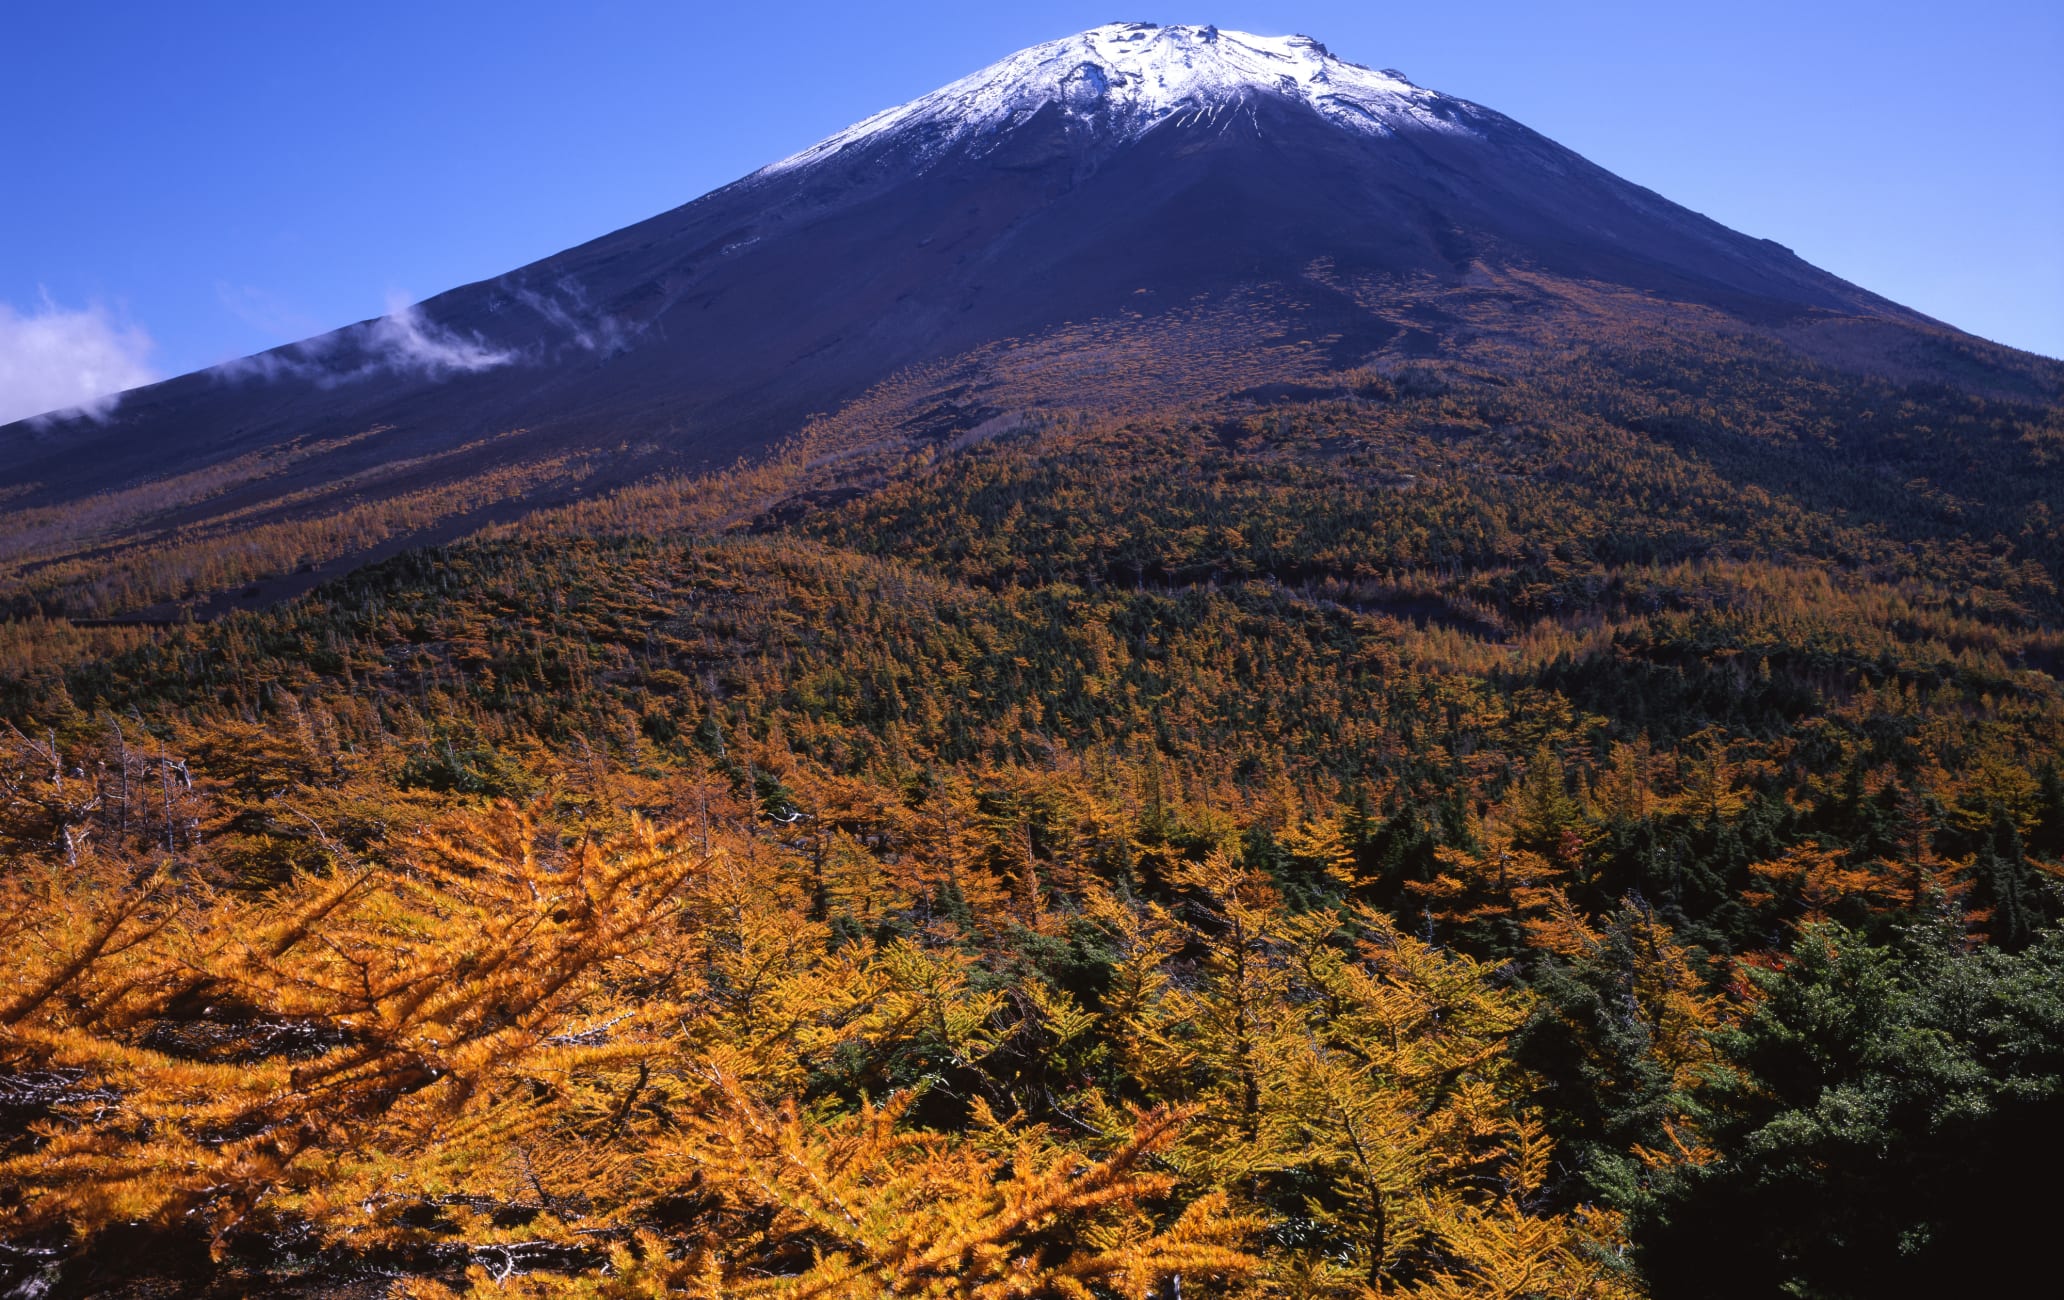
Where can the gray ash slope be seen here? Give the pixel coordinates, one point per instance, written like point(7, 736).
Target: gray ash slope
point(1125, 168)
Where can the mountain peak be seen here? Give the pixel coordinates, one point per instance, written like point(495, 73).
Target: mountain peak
point(1132, 176)
point(1128, 78)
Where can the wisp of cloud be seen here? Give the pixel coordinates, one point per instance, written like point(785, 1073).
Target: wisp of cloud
point(404, 342)
point(77, 362)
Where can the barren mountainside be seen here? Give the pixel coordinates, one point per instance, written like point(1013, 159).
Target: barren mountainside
point(1206, 202)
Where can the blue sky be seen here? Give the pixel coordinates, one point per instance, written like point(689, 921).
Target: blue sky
point(188, 183)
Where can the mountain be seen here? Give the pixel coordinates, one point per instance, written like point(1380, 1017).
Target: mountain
point(1224, 210)
point(1294, 692)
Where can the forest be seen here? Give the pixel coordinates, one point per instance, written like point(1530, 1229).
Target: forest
point(1510, 825)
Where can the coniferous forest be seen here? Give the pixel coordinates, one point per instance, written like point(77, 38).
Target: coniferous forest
point(1576, 821)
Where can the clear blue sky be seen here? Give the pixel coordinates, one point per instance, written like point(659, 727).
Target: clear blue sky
point(226, 177)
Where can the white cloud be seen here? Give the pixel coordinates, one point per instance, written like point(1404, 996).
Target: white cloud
point(590, 330)
point(403, 342)
point(54, 359)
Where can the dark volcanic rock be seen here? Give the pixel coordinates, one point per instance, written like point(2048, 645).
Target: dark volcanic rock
point(1129, 169)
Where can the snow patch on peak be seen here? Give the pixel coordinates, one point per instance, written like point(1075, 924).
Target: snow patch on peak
point(1132, 77)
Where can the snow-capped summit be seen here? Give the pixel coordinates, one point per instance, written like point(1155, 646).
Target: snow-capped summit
point(1129, 78)
point(1136, 177)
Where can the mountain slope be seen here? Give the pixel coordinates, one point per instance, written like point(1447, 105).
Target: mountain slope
point(1509, 734)
point(1210, 193)
point(1610, 674)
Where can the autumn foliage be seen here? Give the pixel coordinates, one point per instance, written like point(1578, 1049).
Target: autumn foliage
point(1514, 825)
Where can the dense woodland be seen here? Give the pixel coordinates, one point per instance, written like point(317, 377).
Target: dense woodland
point(1523, 826)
